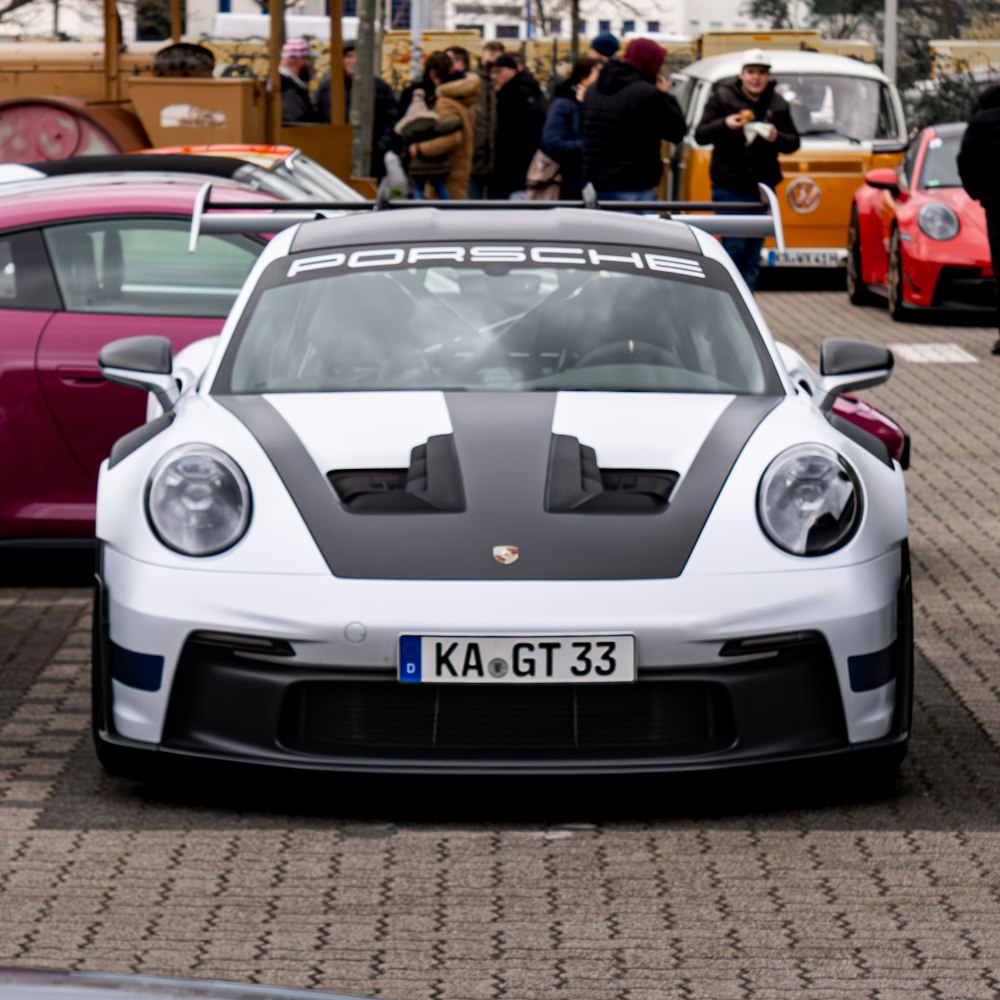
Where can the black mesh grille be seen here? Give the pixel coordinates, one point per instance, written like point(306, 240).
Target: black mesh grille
point(366, 717)
point(236, 702)
point(965, 286)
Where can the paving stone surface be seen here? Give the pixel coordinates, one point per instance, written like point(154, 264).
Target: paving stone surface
point(640, 890)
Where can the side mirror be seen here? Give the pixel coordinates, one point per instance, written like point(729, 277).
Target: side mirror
point(884, 179)
point(142, 363)
point(846, 365)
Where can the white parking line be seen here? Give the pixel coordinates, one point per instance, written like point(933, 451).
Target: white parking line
point(933, 354)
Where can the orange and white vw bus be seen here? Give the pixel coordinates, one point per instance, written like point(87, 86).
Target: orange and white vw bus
point(851, 121)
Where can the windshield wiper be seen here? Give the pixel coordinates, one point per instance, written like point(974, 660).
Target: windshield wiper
point(831, 131)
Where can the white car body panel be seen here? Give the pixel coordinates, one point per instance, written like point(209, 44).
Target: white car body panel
point(276, 582)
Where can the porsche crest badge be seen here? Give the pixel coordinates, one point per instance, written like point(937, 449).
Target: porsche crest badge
point(505, 554)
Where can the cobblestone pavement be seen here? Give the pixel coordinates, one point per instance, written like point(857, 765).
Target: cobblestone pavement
point(634, 890)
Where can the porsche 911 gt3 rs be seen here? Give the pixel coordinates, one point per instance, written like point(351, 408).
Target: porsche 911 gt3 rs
point(499, 491)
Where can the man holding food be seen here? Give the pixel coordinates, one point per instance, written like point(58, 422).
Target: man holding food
point(748, 124)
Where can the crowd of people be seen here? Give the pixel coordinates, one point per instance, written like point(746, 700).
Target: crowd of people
point(472, 131)
point(467, 132)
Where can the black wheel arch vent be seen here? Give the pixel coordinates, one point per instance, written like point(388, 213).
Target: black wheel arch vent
point(577, 485)
point(431, 484)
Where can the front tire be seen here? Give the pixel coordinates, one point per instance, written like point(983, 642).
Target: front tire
point(857, 290)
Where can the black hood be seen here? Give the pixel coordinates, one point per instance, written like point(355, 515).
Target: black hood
point(989, 100)
point(616, 76)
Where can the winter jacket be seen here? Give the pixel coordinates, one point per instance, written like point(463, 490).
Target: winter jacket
point(625, 118)
point(386, 115)
point(980, 151)
point(455, 98)
point(735, 165)
point(563, 141)
point(484, 141)
point(296, 105)
point(520, 116)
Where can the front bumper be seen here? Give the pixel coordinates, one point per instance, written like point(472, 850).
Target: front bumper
point(316, 699)
point(933, 279)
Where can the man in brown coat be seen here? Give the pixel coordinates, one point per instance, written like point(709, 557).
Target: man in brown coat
point(455, 96)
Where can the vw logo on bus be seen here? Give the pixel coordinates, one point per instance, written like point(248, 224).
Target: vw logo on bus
point(803, 195)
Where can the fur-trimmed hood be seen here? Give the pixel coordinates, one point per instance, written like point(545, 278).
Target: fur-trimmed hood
point(464, 89)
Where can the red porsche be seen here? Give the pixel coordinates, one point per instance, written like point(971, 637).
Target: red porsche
point(80, 266)
point(916, 237)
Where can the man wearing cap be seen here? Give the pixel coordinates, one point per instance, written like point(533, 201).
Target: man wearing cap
point(520, 117)
point(626, 114)
point(603, 47)
point(748, 123)
point(295, 70)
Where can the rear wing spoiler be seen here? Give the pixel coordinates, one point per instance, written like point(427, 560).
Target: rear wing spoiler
point(753, 219)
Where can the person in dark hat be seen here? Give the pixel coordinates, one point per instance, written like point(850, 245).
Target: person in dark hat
point(977, 166)
point(520, 116)
point(603, 47)
point(386, 112)
point(748, 123)
point(295, 71)
point(626, 114)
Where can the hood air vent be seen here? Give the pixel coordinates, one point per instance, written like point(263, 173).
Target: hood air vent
point(576, 485)
point(431, 485)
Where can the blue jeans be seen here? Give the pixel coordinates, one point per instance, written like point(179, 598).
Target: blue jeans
point(744, 250)
point(437, 183)
point(647, 195)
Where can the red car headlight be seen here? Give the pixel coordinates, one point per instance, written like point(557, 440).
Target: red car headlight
point(938, 221)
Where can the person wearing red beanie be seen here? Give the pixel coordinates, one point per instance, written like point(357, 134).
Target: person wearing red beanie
point(646, 56)
point(626, 114)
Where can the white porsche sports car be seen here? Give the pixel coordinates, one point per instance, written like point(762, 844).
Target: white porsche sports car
point(499, 491)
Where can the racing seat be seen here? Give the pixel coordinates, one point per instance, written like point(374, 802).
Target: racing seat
point(611, 322)
point(365, 333)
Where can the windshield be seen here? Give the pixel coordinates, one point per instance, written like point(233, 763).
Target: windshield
point(940, 168)
point(493, 318)
point(848, 107)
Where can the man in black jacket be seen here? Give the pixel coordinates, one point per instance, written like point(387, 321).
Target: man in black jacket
point(626, 114)
point(386, 111)
point(749, 124)
point(294, 71)
point(520, 116)
point(977, 166)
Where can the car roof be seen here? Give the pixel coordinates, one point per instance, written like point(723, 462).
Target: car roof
point(49, 199)
point(218, 166)
point(948, 129)
point(227, 149)
point(422, 225)
point(786, 61)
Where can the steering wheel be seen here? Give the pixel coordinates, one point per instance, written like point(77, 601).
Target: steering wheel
point(626, 352)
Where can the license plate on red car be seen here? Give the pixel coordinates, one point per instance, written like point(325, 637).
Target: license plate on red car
point(519, 659)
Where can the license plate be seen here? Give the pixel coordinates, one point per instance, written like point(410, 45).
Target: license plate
point(517, 659)
point(805, 258)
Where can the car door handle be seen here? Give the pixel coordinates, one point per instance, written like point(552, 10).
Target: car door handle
point(77, 374)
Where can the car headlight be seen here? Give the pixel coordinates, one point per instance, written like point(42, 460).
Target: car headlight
point(809, 502)
point(198, 500)
point(938, 221)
